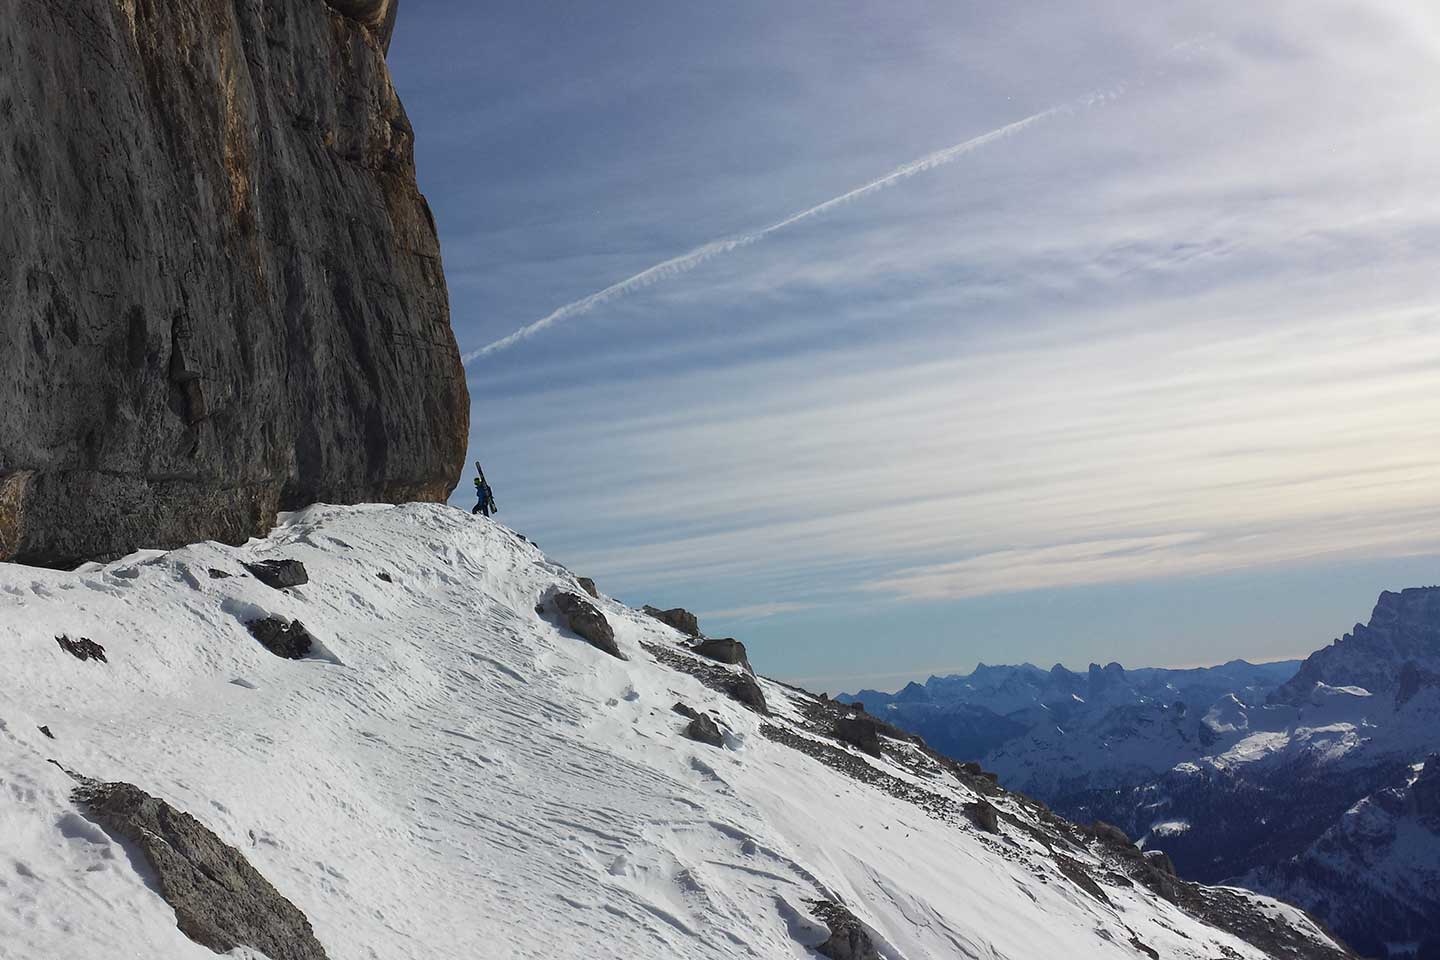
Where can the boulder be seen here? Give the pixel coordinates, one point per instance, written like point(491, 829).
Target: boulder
point(1110, 833)
point(279, 573)
point(235, 304)
point(1160, 860)
point(588, 586)
point(849, 938)
point(685, 710)
point(681, 619)
point(82, 649)
point(218, 574)
point(289, 640)
point(859, 731)
point(45, 729)
point(743, 688)
point(725, 650)
point(384, 577)
point(587, 622)
point(703, 729)
point(983, 814)
point(220, 900)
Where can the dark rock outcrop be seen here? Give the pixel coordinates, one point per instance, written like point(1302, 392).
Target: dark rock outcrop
point(588, 586)
point(289, 640)
point(1425, 791)
point(849, 940)
point(220, 289)
point(584, 620)
point(220, 900)
point(704, 729)
point(744, 689)
point(1161, 861)
point(1110, 833)
point(983, 814)
point(861, 732)
point(1403, 636)
point(279, 573)
point(737, 685)
point(679, 618)
point(724, 650)
point(685, 710)
point(82, 649)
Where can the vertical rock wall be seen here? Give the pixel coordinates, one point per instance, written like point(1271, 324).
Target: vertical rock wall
point(220, 289)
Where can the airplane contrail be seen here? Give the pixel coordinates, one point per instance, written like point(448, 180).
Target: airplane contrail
point(689, 261)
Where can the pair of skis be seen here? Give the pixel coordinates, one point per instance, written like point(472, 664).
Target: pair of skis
point(485, 484)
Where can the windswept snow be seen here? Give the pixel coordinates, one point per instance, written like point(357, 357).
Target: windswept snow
point(451, 775)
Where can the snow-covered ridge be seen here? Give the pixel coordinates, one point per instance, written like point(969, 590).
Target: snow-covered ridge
point(451, 774)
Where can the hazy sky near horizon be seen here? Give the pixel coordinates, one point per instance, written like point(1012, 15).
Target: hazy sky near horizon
point(1154, 377)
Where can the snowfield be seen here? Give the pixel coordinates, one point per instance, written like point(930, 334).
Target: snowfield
point(452, 775)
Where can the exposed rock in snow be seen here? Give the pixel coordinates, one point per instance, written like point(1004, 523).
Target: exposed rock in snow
point(703, 729)
point(724, 650)
point(859, 731)
point(848, 940)
point(288, 640)
point(588, 586)
point(82, 649)
point(279, 574)
point(587, 622)
point(219, 899)
point(677, 617)
point(982, 813)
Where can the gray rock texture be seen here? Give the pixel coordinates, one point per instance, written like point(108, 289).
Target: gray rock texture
point(677, 617)
point(279, 574)
point(220, 901)
point(588, 623)
point(724, 650)
point(983, 814)
point(290, 641)
point(220, 290)
point(862, 732)
point(704, 730)
point(849, 939)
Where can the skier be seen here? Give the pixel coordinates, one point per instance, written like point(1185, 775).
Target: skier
point(484, 498)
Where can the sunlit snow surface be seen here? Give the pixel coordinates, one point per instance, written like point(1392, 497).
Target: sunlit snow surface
point(453, 776)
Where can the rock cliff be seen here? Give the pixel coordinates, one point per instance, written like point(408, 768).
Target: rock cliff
point(220, 289)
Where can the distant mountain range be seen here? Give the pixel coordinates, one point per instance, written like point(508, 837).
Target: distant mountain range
point(1307, 780)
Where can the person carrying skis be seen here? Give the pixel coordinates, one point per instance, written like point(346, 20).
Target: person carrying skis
point(484, 498)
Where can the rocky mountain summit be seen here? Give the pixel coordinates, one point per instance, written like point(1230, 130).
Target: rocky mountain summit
point(221, 291)
point(1394, 655)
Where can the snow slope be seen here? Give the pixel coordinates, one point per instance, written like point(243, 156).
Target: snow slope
point(452, 775)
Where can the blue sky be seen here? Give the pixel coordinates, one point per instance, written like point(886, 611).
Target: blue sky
point(1153, 378)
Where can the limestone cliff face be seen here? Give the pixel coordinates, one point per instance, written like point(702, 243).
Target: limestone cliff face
point(220, 289)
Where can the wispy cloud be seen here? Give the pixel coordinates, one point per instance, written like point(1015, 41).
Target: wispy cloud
point(758, 611)
point(1193, 333)
point(675, 266)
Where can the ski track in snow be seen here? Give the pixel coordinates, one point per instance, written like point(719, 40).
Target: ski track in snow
point(453, 776)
